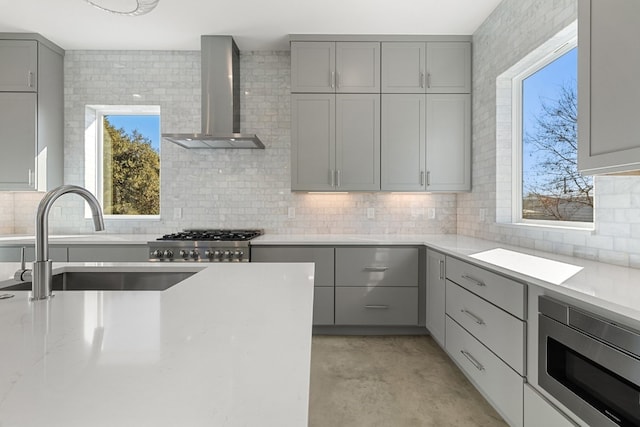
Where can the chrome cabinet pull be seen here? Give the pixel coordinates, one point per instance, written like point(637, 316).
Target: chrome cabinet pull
point(376, 269)
point(441, 262)
point(475, 281)
point(337, 177)
point(421, 79)
point(477, 319)
point(428, 80)
point(332, 177)
point(473, 360)
point(29, 177)
point(30, 79)
point(337, 80)
point(421, 177)
point(377, 307)
point(333, 79)
point(428, 178)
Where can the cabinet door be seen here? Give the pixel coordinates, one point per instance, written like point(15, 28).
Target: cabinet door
point(18, 131)
point(377, 266)
point(538, 412)
point(357, 67)
point(313, 67)
point(436, 286)
point(313, 142)
point(322, 257)
point(18, 65)
point(358, 142)
point(448, 67)
point(608, 89)
point(403, 67)
point(448, 142)
point(380, 306)
point(403, 142)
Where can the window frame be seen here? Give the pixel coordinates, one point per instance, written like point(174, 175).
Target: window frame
point(564, 46)
point(94, 151)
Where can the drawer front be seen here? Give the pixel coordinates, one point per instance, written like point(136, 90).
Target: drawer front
point(377, 306)
point(500, 385)
point(495, 328)
point(322, 257)
point(381, 266)
point(505, 293)
point(322, 306)
point(108, 253)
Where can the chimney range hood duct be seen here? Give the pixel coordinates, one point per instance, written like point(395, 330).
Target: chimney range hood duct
point(220, 99)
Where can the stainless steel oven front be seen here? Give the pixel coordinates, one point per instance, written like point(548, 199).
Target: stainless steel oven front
point(589, 364)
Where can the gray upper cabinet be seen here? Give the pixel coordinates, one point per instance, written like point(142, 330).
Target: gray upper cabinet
point(313, 150)
point(426, 142)
point(18, 65)
point(448, 142)
point(337, 142)
point(31, 113)
point(608, 89)
point(335, 67)
point(403, 142)
point(431, 67)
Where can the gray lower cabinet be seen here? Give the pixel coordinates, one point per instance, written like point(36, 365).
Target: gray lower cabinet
point(108, 253)
point(336, 142)
point(538, 412)
point(377, 286)
point(12, 253)
point(323, 258)
point(436, 283)
point(608, 66)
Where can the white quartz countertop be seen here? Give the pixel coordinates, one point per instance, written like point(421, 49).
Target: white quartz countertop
point(229, 346)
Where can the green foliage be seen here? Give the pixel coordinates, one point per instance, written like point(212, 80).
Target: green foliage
point(131, 173)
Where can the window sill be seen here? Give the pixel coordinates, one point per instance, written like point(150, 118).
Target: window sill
point(585, 229)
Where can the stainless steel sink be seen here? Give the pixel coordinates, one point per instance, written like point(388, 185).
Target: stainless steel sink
point(110, 281)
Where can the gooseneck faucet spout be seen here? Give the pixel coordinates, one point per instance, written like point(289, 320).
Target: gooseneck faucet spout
point(42, 266)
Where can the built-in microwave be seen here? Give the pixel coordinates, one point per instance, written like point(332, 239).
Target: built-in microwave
point(589, 364)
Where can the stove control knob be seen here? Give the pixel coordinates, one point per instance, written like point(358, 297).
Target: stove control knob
point(184, 253)
point(156, 254)
point(195, 254)
point(168, 253)
point(208, 253)
point(217, 255)
point(238, 255)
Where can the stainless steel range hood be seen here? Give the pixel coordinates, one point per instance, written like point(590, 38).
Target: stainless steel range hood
point(220, 99)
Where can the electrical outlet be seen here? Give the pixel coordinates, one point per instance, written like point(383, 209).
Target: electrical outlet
point(431, 213)
point(291, 213)
point(371, 213)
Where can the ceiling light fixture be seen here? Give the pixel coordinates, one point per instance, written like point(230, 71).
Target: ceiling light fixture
point(142, 7)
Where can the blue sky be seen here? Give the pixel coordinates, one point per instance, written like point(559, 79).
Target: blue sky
point(148, 126)
point(544, 86)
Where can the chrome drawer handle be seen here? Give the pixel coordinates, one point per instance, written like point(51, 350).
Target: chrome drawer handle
point(474, 280)
point(378, 269)
point(477, 319)
point(377, 307)
point(473, 360)
point(441, 262)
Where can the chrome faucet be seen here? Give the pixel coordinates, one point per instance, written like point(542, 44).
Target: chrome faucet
point(42, 266)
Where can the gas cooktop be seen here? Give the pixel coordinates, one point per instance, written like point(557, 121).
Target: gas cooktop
point(203, 245)
point(213, 235)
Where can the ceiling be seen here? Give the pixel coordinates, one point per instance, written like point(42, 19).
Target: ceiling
point(255, 24)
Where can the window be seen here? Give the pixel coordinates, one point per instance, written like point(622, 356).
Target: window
point(547, 187)
point(123, 162)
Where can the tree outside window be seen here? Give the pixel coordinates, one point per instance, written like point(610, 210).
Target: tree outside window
point(552, 187)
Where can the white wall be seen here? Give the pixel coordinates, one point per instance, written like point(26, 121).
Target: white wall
point(514, 29)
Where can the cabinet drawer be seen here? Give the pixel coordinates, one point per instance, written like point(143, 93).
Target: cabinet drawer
point(505, 293)
point(323, 306)
point(382, 266)
point(108, 253)
point(499, 384)
point(376, 306)
point(495, 328)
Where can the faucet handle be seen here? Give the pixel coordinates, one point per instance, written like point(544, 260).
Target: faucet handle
point(23, 274)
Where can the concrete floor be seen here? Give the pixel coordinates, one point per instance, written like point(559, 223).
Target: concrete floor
point(391, 382)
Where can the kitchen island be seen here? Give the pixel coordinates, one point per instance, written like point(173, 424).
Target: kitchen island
point(228, 346)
